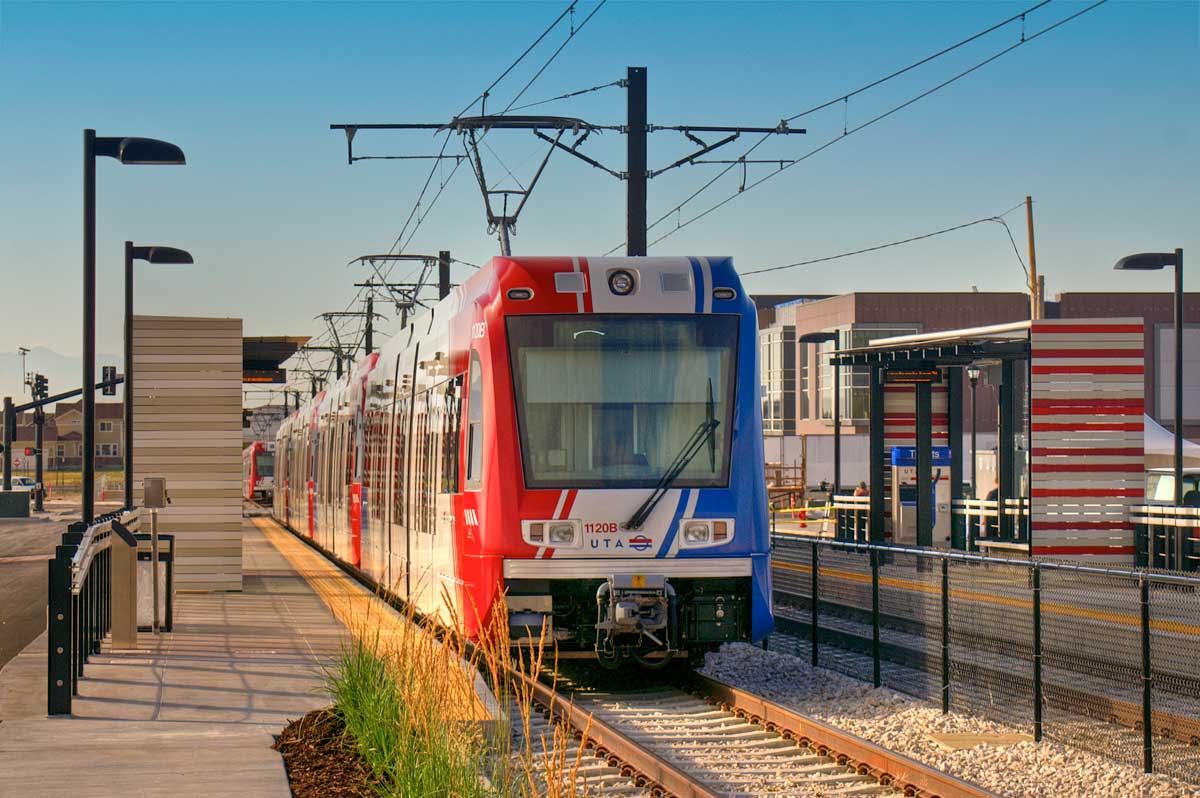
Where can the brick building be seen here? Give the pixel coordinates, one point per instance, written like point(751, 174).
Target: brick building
point(797, 379)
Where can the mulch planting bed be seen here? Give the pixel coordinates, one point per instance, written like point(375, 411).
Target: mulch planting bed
point(320, 761)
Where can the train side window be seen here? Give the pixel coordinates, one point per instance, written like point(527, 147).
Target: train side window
point(475, 424)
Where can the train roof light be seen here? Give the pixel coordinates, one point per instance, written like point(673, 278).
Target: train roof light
point(621, 282)
point(520, 294)
point(724, 293)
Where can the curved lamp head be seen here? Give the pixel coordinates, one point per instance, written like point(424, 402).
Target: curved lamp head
point(1146, 261)
point(973, 373)
point(818, 337)
point(156, 254)
point(134, 150)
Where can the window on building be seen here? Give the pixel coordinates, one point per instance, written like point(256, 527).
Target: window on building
point(60, 450)
point(777, 368)
point(856, 381)
point(106, 426)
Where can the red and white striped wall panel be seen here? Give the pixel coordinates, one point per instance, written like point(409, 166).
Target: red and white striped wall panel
point(900, 416)
point(1087, 454)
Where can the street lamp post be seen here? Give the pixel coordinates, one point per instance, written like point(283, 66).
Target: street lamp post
point(973, 373)
point(127, 150)
point(1149, 261)
point(821, 338)
point(150, 255)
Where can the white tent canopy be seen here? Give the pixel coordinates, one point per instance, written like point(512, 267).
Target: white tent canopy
point(1160, 447)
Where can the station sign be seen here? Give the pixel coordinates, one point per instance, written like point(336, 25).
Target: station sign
point(906, 456)
point(264, 375)
point(911, 376)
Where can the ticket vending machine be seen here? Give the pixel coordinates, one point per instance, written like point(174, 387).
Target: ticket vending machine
point(904, 495)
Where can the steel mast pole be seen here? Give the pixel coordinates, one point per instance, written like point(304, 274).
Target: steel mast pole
point(127, 390)
point(89, 326)
point(1178, 377)
point(635, 189)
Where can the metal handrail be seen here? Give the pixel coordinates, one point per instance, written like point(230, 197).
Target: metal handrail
point(1054, 565)
point(96, 539)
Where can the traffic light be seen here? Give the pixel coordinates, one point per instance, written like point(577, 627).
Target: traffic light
point(30, 451)
point(41, 387)
point(108, 377)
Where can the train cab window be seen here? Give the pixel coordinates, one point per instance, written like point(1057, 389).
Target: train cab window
point(265, 463)
point(475, 424)
point(452, 399)
point(619, 400)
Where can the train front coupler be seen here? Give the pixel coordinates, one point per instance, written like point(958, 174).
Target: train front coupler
point(636, 618)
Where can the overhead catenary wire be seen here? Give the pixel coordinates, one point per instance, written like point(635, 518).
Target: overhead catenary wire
point(571, 94)
point(851, 131)
point(998, 218)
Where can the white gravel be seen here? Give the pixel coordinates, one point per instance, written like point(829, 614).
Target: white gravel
point(904, 724)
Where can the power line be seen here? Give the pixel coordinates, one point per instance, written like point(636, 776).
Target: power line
point(553, 55)
point(997, 218)
point(571, 94)
point(848, 132)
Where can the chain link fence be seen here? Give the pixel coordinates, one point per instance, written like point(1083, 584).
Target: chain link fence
point(1102, 659)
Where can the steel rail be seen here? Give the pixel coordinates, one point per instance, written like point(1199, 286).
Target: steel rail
point(648, 769)
point(910, 777)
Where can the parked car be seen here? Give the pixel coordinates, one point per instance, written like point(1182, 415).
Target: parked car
point(1160, 486)
point(23, 483)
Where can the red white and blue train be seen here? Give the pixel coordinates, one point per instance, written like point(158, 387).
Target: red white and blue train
point(258, 471)
point(576, 442)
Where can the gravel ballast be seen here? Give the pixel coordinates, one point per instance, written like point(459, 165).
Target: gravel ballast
point(905, 724)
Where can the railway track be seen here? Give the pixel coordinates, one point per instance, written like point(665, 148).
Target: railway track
point(712, 740)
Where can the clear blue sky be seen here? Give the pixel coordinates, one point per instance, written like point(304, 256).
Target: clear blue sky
point(1097, 120)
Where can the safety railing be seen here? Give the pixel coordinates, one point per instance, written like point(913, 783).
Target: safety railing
point(852, 514)
point(80, 602)
point(806, 518)
point(1094, 657)
point(981, 519)
point(1167, 536)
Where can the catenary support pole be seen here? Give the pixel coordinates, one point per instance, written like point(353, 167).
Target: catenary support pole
point(635, 189)
point(443, 274)
point(369, 336)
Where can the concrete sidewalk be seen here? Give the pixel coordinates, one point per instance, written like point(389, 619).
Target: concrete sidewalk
point(192, 714)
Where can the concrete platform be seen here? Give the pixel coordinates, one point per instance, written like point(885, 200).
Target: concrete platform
point(191, 714)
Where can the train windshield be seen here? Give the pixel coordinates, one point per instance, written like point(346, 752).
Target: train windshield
point(265, 463)
point(611, 401)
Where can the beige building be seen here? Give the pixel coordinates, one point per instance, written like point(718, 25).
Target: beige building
point(62, 436)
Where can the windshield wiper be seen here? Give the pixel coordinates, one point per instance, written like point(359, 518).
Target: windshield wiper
point(705, 432)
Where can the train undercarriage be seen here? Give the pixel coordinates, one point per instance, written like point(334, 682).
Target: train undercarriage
point(647, 620)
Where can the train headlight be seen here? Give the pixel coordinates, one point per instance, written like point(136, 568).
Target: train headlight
point(697, 533)
point(621, 282)
point(701, 534)
point(563, 534)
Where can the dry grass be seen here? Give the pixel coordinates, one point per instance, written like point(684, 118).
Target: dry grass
point(408, 699)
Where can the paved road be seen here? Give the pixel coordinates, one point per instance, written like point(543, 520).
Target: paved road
point(25, 545)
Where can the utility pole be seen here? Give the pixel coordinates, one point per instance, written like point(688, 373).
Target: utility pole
point(635, 154)
point(1035, 296)
point(39, 423)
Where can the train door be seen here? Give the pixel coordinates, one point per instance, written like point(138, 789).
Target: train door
point(446, 399)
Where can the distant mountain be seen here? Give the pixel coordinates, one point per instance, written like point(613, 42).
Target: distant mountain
point(62, 371)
